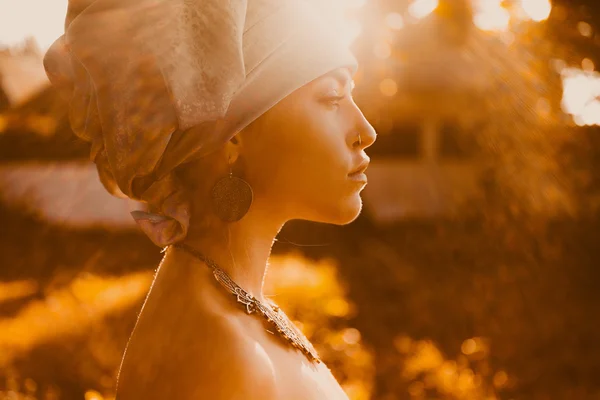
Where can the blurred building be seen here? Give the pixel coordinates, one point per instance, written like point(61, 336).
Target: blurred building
point(421, 168)
point(420, 88)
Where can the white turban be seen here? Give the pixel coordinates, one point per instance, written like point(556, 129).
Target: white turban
point(140, 73)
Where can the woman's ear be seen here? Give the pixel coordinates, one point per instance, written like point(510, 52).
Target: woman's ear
point(233, 148)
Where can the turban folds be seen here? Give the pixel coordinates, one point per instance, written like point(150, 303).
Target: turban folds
point(140, 73)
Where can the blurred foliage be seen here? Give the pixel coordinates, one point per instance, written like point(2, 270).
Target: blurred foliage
point(63, 338)
point(499, 303)
point(314, 297)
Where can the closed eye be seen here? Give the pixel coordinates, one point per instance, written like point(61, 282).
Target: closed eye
point(333, 100)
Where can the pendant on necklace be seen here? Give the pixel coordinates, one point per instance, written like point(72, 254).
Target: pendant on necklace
point(272, 313)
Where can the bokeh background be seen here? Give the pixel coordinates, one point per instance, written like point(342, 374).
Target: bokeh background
point(472, 273)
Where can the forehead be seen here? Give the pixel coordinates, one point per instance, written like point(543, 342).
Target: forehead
point(341, 75)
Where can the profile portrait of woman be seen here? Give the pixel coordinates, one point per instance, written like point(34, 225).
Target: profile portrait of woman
point(226, 119)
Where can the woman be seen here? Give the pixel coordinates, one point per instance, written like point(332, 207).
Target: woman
point(228, 119)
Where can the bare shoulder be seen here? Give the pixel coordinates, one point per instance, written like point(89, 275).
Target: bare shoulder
point(235, 366)
point(206, 357)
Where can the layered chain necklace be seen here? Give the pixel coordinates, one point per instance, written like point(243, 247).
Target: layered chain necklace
point(272, 313)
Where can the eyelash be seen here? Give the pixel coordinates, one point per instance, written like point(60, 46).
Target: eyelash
point(334, 100)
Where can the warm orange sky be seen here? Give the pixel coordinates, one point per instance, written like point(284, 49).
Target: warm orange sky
point(42, 19)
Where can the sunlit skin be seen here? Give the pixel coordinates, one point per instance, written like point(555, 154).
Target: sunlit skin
point(192, 340)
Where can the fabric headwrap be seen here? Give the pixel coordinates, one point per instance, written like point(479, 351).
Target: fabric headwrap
point(139, 73)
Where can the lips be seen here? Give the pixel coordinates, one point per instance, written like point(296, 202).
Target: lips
point(362, 167)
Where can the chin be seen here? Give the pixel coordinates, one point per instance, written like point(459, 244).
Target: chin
point(344, 211)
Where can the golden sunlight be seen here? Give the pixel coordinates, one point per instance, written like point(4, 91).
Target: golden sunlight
point(581, 95)
point(382, 50)
point(69, 310)
point(17, 21)
point(585, 29)
point(355, 3)
point(537, 10)
point(394, 21)
point(490, 15)
point(588, 65)
point(17, 290)
point(422, 8)
point(388, 87)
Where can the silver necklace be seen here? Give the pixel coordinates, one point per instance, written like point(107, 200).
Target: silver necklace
point(272, 313)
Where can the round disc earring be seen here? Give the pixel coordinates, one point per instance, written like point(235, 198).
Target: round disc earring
point(231, 197)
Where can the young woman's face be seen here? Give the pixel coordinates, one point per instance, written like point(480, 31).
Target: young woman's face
point(308, 146)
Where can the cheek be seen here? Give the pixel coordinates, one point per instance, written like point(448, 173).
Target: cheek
point(312, 162)
point(304, 156)
point(325, 155)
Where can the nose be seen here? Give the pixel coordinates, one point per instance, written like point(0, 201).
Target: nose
point(365, 131)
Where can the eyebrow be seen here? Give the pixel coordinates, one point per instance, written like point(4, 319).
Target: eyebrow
point(342, 77)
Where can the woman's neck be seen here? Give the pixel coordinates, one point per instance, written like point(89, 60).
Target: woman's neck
point(242, 249)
